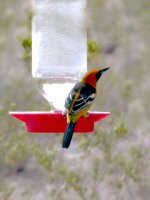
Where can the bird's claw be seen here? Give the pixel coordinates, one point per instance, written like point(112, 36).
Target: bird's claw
point(64, 112)
point(86, 114)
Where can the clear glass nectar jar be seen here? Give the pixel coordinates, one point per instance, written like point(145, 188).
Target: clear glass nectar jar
point(59, 47)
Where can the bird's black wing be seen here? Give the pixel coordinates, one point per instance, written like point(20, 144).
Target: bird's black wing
point(79, 98)
point(71, 96)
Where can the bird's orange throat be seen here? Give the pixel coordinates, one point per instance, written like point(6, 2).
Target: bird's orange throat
point(90, 80)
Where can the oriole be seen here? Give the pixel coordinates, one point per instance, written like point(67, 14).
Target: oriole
point(79, 101)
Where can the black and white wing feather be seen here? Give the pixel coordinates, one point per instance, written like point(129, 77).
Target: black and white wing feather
point(79, 98)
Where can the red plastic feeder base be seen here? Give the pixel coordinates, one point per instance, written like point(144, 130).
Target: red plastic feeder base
point(55, 121)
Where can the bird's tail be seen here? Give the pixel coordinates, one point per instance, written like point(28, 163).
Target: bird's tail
point(68, 135)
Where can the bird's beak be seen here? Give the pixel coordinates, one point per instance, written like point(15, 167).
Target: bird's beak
point(100, 72)
point(104, 70)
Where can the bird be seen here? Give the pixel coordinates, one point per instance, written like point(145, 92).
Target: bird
point(79, 101)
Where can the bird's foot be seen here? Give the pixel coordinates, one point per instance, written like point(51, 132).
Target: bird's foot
point(86, 114)
point(64, 112)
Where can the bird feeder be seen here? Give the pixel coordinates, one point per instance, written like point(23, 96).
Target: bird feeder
point(59, 60)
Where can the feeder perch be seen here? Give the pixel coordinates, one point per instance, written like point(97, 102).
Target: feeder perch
point(55, 122)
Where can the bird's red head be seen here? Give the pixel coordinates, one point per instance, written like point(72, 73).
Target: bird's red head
point(92, 76)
